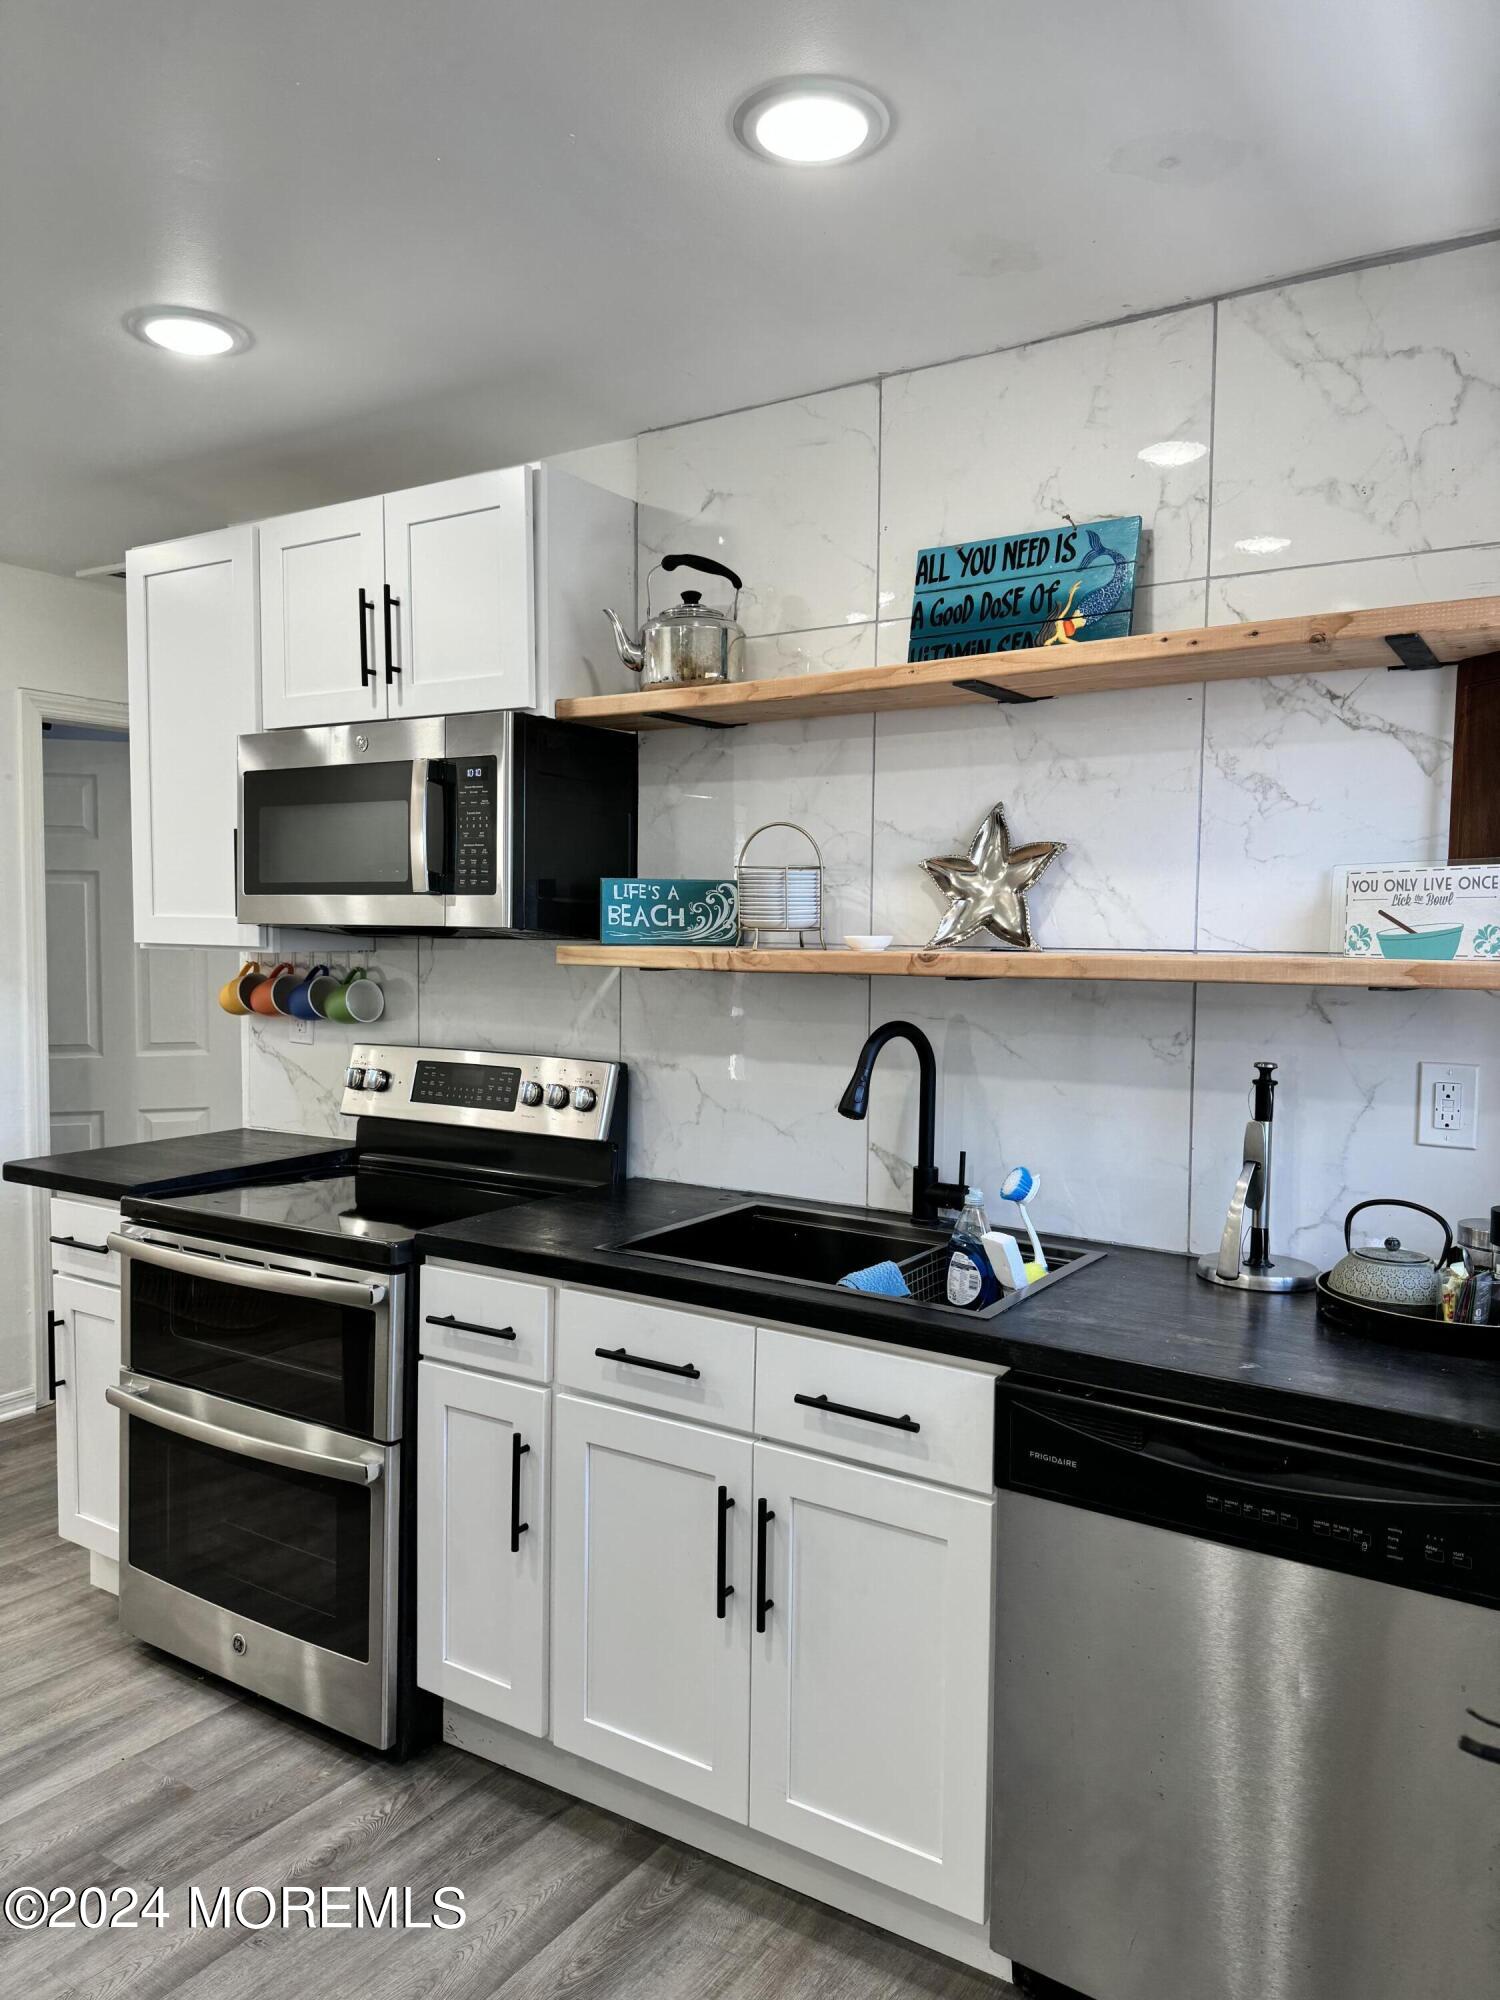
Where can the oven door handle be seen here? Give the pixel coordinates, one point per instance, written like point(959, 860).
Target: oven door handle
point(255, 1277)
point(362, 1470)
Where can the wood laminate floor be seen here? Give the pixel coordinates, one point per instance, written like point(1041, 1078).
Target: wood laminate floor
point(121, 1767)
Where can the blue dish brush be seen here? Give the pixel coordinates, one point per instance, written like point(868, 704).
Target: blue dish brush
point(883, 1279)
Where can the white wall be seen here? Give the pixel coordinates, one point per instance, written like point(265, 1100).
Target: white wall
point(1356, 416)
point(59, 637)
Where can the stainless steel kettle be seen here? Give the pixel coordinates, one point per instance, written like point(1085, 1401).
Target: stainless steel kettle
point(1386, 1274)
point(691, 644)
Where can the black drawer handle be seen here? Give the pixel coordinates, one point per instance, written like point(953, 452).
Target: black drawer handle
point(763, 1519)
point(865, 1416)
point(723, 1588)
point(1490, 1752)
point(54, 1380)
point(684, 1368)
point(76, 1243)
point(471, 1326)
point(518, 1527)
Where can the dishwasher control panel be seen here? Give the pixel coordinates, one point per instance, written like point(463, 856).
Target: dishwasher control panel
point(1427, 1523)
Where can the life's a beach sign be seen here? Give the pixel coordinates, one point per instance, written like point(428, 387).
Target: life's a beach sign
point(1053, 586)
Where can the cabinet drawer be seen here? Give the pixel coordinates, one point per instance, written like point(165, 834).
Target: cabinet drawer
point(78, 1230)
point(702, 1367)
point(503, 1324)
point(942, 1418)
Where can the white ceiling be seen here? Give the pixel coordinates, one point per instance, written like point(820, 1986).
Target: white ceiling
point(466, 232)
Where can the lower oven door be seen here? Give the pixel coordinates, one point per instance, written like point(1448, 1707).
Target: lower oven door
point(262, 1548)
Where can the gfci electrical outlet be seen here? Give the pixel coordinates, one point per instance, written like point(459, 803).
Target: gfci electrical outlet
point(301, 1031)
point(1448, 1104)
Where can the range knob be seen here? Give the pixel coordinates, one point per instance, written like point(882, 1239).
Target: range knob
point(557, 1096)
point(354, 1077)
point(531, 1093)
point(584, 1098)
point(377, 1079)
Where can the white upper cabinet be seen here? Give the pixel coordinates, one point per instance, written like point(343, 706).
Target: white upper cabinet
point(322, 653)
point(457, 616)
point(191, 628)
point(870, 1687)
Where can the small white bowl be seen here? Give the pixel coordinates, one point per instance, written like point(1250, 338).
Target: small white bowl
point(859, 941)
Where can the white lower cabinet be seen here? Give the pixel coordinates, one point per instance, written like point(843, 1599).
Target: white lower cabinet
point(86, 1343)
point(650, 1662)
point(482, 1481)
point(869, 1741)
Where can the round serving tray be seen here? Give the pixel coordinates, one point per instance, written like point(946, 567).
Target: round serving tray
point(1411, 1326)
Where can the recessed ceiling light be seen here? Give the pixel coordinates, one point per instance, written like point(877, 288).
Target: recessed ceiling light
point(1263, 545)
point(184, 330)
point(811, 121)
point(1173, 451)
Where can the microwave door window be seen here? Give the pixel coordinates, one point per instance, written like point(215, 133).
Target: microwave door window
point(328, 830)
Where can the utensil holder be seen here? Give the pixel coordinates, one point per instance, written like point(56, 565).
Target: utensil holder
point(780, 899)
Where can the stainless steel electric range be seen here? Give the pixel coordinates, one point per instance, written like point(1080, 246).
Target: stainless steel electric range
point(267, 1496)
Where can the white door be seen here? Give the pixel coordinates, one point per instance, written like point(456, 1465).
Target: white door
point(459, 573)
point(870, 1685)
point(482, 1477)
point(322, 654)
point(138, 1047)
point(650, 1659)
point(194, 689)
point(87, 1345)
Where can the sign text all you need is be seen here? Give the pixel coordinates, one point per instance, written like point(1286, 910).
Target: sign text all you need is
point(1051, 586)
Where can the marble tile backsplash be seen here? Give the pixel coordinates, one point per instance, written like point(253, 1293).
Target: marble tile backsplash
point(1355, 432)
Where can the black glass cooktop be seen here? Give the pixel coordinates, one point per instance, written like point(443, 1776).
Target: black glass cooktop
point(368, 1218)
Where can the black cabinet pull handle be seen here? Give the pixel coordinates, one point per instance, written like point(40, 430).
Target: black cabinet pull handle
point(471, 1326)
point(518, 1527)
point(1490, 1752)
point(391, 669)
point(77, 1243)
point(56, 1381)
point(723, 1589)
point(684, 1368)
point(865, 1416)
point(763, 1519)
point(366, 606)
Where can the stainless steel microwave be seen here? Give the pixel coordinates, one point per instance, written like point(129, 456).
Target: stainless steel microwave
point(498, 824)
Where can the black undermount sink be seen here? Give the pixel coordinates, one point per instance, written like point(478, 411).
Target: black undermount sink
point(811, 1247)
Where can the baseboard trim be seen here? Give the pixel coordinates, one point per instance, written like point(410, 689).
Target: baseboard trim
point(919, 1924)
point(19, 1403)
point(104, 1573)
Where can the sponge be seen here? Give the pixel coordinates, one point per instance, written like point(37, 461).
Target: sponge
point(884, 1279)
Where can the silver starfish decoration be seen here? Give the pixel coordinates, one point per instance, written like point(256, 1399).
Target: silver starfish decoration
point(987, 892)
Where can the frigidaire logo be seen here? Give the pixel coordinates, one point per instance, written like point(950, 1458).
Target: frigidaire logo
point(1052, 1458)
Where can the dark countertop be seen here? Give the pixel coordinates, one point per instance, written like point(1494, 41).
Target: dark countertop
point(1138, 1321)
point(198, 1161)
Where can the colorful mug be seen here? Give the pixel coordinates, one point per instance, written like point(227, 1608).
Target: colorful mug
point(262, 994)
point(234, 994)
point(299, 1002)
point(357, 1000)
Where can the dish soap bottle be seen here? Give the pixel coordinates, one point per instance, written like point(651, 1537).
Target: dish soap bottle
point(971, 1277)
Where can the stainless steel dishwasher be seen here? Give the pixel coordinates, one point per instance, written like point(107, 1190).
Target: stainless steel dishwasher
point(1247, 1709)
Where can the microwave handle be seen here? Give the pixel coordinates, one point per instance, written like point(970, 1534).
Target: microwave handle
point(419, 824)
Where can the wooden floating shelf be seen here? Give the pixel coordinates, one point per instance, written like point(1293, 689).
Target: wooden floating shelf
point(1203, 968)
point(1408, 635)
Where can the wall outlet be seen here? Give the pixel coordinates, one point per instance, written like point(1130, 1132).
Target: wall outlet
point(301, 1031)
point(1448, 1104)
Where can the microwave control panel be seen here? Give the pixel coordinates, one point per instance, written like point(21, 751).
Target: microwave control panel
point(474, 826)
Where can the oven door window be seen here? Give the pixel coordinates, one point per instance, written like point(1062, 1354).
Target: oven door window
point(299, 1357)
point(328, 830)
point(287, 1549)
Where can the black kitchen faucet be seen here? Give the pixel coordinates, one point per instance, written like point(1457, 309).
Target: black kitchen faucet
point(928, 1194)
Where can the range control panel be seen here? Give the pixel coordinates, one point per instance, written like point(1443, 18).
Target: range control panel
point(563, 1096)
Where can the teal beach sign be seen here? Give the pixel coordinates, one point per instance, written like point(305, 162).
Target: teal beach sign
point(1047, 587)
point(652, 909)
